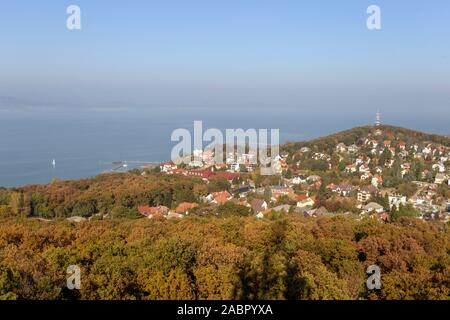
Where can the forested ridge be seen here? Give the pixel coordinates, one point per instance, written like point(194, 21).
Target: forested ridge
point(224, 258)
point(354, 135)
point(116, 194)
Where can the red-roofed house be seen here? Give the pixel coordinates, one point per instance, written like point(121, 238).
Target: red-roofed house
point(227, 175)
point(304, 201)
point(351, 168)
point(331, 186)
point(377, 181)
point(185, 207)
point(204, 174)
point(219, 197)
point(151, 212)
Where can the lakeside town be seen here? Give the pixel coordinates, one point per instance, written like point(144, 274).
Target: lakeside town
point(336, 205)
point(377, 171)
point(379, 175)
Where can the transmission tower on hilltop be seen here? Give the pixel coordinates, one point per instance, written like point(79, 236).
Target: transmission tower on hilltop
point(378, 119)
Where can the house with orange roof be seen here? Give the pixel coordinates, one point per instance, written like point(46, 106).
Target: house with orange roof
point(402, 145)
point(304, 201)
point(151, 212)
point(331, 186)
point(219, 197)
point(204, 174)
point(184, 207)
point(377, 181)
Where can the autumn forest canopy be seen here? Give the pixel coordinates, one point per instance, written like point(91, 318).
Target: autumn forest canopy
point(224, 258)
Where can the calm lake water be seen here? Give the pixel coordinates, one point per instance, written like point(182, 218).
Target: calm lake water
point(85, 144)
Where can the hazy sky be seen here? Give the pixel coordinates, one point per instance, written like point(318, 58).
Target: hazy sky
point(303, 55)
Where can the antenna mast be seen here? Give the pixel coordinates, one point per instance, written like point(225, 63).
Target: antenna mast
point(378, 119)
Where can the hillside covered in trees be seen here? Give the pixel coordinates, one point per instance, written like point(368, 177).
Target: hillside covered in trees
point(115, 194)
point(357, 135)
point(224, 258)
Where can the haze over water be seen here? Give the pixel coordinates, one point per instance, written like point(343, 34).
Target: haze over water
point(86, 144)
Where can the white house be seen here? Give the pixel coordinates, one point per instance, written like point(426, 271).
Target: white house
point(404, 154)
point(167, 167)
point(406, 166)
point(440, 167)
point(366, 176)
point(365, 193)
point(299, 180)
point(341, 147)
point(304, 201)
point(305, 149)
point(440, 178)
point(235, 167)
point(343, 189)
point(389, 163)
point(373, 207)
point(359, 162)
point(427, 150)
point(353, 148)
point(377, 181)
point(396, 200)
point(364, 168)
point(196, 164)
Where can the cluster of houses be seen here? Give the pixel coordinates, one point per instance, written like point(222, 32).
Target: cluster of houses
point(233, 162)
point(426, 200)
point(244, 195)
point(360, 161)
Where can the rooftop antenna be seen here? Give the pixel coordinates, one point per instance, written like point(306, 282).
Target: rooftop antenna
point(378, 119)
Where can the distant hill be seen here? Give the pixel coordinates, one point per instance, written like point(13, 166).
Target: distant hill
point(357, 136)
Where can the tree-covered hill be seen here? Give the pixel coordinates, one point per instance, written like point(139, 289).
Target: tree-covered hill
point(359, 134)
